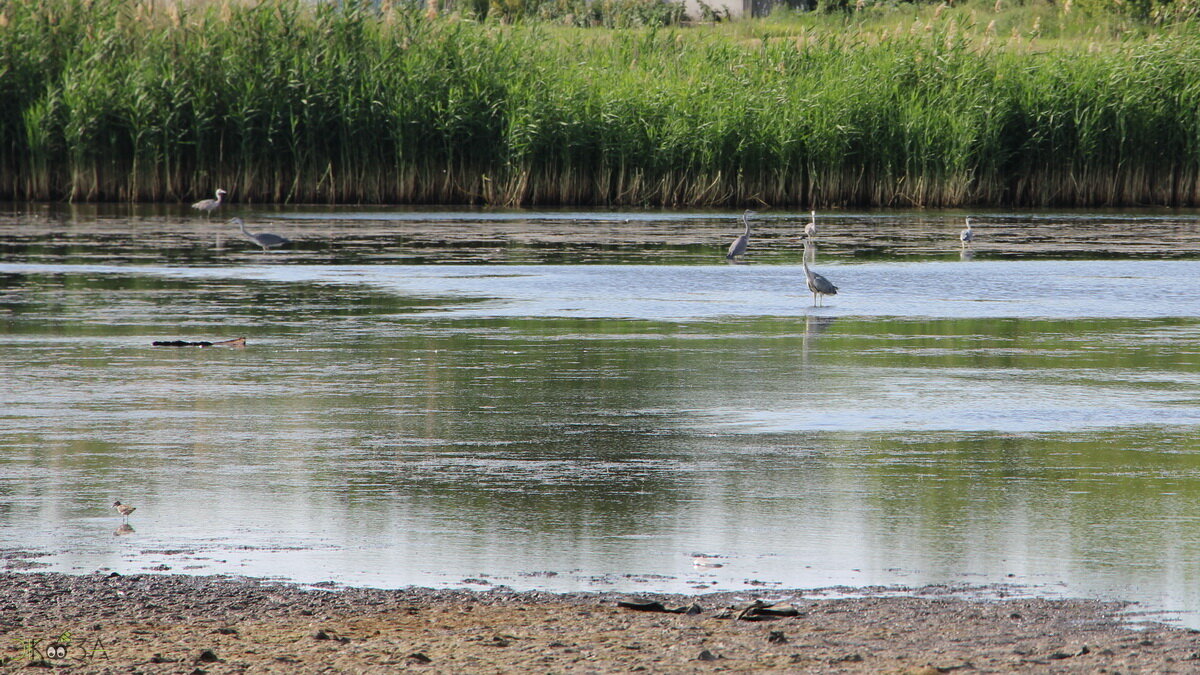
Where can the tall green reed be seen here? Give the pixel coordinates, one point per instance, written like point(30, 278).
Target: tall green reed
point(289, 101)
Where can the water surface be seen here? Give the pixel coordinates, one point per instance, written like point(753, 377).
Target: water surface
point(572, 401)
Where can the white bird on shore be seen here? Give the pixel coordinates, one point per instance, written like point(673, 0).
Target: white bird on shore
point(810, 230)
point(210, 205)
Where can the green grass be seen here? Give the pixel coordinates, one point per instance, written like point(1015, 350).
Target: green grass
point(888, 106)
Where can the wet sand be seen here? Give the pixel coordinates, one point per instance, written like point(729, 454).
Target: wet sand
point(184, 624)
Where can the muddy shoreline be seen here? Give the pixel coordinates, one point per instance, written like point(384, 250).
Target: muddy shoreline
point(187, 624)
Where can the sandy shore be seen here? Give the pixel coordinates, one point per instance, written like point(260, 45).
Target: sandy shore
point(182, 624)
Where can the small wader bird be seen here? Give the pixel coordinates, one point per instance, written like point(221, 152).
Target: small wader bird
point(124, 509)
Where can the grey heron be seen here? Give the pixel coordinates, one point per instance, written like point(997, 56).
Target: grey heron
point(810, 230)
point(123, 509)
point(819, 285)
point(210, 205)
point(264, 239)
point(738, 247)
point(966, 235)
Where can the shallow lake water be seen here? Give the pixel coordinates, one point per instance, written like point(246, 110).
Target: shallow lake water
point(598, 401)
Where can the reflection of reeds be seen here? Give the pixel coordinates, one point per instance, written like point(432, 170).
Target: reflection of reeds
point(119, 100)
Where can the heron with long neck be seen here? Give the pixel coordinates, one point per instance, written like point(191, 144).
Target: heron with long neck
point(967, 235)
point(819, 285)
point(739, 245)
point(210, 205)
point(264, 239)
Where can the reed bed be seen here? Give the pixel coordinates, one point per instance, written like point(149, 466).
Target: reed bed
point(118, 100)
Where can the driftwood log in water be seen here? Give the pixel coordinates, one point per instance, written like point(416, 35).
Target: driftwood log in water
point(235, 342)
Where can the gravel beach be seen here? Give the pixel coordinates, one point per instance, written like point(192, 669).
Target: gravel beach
point(184, 624)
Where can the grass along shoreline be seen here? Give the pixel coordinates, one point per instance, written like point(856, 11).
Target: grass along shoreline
point(112, 100)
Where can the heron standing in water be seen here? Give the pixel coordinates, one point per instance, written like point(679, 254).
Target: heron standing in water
point(210, 205)
point(810, 236)
point(738, 247)
point(264, 239)
point(818, 284)
point(967, 235)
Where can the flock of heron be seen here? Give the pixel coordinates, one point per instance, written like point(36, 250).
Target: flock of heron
point(264, 239)
point(817, 284)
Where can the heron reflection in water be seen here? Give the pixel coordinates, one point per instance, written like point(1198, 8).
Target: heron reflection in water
point(264, 239)
point(814, 325)
point(739, 245)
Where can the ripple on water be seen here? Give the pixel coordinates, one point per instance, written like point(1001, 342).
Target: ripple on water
point(393, 423)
